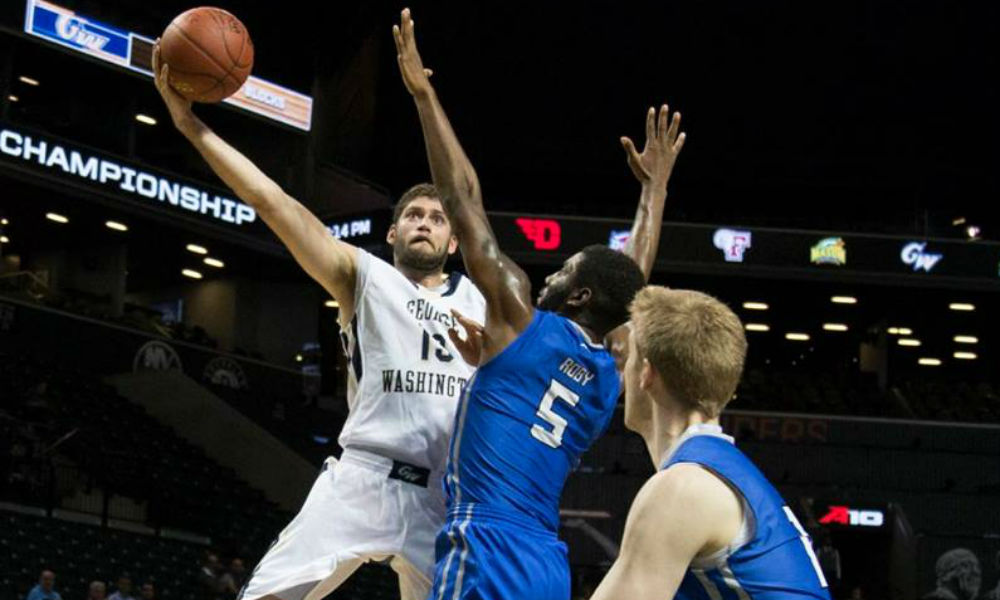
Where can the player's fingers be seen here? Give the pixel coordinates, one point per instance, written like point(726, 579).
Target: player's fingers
point(675, 125)
point(662, 120)
point(397, 37)
point(680, 142)
point(428, 72)
point(650, 123)
point(470, 325)
point(407, 25)
point(630, 151)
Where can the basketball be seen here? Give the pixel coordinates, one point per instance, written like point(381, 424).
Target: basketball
point(209, 53)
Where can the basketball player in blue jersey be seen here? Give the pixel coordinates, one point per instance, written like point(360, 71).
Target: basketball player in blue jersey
point(708, 525)
point(546, 387)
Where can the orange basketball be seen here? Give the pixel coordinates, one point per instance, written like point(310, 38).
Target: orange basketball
point(209, 53)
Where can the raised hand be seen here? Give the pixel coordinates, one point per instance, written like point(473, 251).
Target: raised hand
point(415, 76)
point(178, 106)
point(664, 141)
point(471, 348)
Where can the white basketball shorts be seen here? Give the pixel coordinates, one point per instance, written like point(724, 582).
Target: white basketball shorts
point(354, 513)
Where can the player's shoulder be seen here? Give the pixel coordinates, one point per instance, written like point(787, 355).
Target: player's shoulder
point(691, 490)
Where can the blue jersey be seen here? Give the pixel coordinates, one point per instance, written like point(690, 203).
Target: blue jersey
point(775, 561)
point(526, 417)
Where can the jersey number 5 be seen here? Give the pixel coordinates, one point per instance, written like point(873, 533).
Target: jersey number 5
point(553, 438)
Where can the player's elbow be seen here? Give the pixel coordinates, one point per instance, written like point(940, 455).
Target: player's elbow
point(266, 197)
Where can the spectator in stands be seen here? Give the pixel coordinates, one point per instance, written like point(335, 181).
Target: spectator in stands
point(124, 588)
point(209, 581)
point(233, 579)
point(958, 576)
point(147, 591)
point(45, 590)
point(97, 590)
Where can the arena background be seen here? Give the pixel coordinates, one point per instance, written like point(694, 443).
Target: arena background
point(836, 151)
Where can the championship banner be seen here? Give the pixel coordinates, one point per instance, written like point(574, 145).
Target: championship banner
point(54, 158)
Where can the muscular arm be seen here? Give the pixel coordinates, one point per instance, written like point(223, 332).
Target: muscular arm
point(502, 282)
point(332, 263)
point(678, 514)
point(652, 168)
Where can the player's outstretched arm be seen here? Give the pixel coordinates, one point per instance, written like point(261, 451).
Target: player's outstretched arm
point(652, 168)
point(502, 282)
point(678, 514)
point(330, 262)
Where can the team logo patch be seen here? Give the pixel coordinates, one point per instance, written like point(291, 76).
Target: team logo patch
point(732, 242)
point(829, 251)
point(156, 356)
point(226, 372)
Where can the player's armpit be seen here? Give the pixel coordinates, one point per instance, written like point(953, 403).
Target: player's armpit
point(329, 261)
point(678, 514)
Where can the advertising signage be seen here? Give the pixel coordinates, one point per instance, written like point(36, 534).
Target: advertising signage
point(78, 33)
point(755, 251)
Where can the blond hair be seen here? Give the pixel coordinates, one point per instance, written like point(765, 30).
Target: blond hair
point(695, 342)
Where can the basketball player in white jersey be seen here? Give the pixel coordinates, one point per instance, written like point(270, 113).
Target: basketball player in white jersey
point(383, 498)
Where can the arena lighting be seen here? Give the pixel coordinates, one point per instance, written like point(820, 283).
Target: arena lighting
point(28, 80)
point(214, 262)
point(4, 239)
point(148, 120)
point(973, 231)
point(958, 221)
point(844, 300)
point(56, 217)
point(965, 355)
point(757, 327)
point(900, 331)
point(930, 362)
point(13, 98)
point(834, 327)
point(908, 342)
point(197, 249)
point(298, 358)
point(4, 221)
point(797, 337)
point(191, 273)
point(756, 305)
point(331, 304)
point(966, 339)
point(962, 306)
point(116, 226)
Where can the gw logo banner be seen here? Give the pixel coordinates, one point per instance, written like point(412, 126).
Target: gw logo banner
point(156, 356)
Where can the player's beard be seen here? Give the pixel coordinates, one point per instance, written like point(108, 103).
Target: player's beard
point(554, 298)
point(412, 257)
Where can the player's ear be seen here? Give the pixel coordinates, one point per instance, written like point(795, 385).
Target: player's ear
point(647, 375)
point(452, 245)
point(579, 297)
point(391, 235)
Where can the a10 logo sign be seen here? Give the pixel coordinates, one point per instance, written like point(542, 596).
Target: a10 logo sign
point(843, 515)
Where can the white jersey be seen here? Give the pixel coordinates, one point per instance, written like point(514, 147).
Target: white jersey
point(405, 374)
